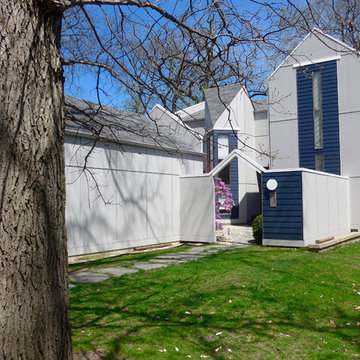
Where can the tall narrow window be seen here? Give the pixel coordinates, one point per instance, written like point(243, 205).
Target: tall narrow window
point(211, 148)
point(317, 105)
point(319, 162)
point(223, 146)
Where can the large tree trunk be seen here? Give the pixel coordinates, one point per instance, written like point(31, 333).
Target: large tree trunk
point(33, 257)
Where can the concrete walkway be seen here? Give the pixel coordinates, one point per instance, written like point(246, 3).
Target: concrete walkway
point(193, 254)
point(238, 234)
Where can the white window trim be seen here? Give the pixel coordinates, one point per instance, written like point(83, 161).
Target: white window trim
point(315, 61)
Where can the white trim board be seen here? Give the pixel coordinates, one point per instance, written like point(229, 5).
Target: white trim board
point(237, 154)
point(283, 243)
point(316, 61)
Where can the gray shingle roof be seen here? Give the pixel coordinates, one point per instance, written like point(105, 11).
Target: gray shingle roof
point(198, 115)
point(122, 127)
point(218, 98)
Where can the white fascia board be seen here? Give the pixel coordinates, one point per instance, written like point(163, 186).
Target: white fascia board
point(337, 41)
point(191, 109)
point(308, 171)
point(195, 176)
point(314, 30)
point(316, 61)
point(290, 55)
point(177, 118)
point(237, 154)
point(167, 112)
point(247, 93)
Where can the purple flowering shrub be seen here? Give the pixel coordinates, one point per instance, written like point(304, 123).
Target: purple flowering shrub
point(223, 201)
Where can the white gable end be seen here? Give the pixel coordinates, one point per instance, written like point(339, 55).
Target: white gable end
point(235, 116)
point(314, 48)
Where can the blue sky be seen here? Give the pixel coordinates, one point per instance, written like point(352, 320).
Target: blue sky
point(83, 83)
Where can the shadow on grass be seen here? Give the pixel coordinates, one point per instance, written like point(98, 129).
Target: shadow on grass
point(127, 309)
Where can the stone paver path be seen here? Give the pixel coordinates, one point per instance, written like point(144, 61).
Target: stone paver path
point(240, 237)
point(167, 261)
point(148, 266)
point(117, 271)
point(238, 234)
point(180, 256)
point(87, 277)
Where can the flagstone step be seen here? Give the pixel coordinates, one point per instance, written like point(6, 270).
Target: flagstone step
point(88, 277)
point(148, 266)
point(166, 261)
point(116, 271)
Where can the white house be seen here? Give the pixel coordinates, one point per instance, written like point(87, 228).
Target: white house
point(310, 124)
point(314, 113)
point(147, 180)
point(229, 120)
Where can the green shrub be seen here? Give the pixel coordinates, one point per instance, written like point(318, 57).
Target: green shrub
point(257, 227)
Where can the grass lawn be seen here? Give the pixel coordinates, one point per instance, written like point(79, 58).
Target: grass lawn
point(254, 303)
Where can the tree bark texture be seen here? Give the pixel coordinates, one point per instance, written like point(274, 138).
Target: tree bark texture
point(33, 257)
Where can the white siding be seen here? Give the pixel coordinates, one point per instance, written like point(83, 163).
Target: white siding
point(124, 198)
point(197, 209)
point(325, 206)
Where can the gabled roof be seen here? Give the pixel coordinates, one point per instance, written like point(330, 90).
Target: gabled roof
point(317, 32)
point(84, 118)
point(219, 98)
point(236, 153)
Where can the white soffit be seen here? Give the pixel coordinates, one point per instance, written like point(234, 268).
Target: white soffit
point(316, 61)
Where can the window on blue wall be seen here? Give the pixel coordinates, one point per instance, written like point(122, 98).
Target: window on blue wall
point(273, 199)
point(317, 106)
point(319, 162)
point(223, 146)
point(224, 174)
point(211, 148)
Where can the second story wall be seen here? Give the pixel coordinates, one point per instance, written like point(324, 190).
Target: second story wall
point(294, 107)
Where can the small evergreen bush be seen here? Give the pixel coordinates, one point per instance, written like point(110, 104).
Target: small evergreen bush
point(257, 227)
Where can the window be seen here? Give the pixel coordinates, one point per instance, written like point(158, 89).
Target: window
point(211, 148)
point(273, 201)
point(319, 162)
point(317, 106)
point(223, 146)
point(224, 174)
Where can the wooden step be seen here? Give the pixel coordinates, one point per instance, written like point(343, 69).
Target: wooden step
point(330, 242)
point(325, 239)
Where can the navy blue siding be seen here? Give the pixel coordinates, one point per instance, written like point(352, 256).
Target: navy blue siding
point(284, 222)
point(330, 116)
point(234, 171)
